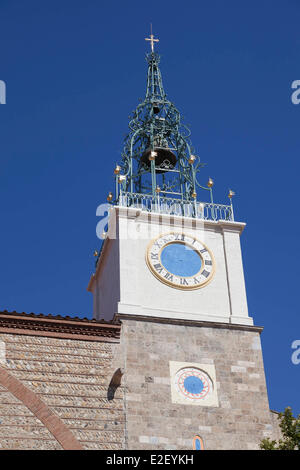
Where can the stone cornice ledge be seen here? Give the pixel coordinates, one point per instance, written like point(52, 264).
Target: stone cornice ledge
point(177, 220)
point(196, 323)
point(231, 226)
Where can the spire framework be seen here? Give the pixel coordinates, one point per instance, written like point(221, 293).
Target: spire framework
point(159, 165)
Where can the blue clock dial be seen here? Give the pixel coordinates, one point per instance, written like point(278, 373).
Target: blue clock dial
point(193, 384)
point(181, 260)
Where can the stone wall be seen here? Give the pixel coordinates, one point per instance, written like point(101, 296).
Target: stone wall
point(242, 418)
point(56, 388)
point(54, 394)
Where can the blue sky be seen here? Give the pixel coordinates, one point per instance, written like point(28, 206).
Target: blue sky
point(74, 71)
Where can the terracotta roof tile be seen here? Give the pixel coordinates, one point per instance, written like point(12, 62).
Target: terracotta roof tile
point(58, 326)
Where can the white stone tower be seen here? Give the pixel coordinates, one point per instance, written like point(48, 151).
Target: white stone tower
point(170, 269)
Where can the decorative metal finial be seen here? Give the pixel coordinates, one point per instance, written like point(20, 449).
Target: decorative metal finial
point(152, 40)
point(117, 170)
point(210, 182)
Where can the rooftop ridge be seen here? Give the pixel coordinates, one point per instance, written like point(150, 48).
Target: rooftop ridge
point(50, 316)
point(59, 326)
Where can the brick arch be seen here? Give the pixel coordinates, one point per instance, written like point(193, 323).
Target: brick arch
point(50, 420)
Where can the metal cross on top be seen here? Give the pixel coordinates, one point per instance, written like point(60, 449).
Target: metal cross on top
point(152, 40)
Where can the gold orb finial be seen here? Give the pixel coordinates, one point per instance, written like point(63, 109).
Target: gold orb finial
point(117, 170)
point(192, 159)
point(210, 182)
point(231, 194)
point(110, 196)
point(158, 190)
point(122, 178)
point(96, 253)
point(194, 194)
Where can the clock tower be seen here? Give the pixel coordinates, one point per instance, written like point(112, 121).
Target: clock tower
point(170, 270)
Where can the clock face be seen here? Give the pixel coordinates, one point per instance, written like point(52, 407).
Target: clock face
point(180, 260)
point(193, 384)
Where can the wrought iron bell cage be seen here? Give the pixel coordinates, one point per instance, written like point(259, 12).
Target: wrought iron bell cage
point(158, 161)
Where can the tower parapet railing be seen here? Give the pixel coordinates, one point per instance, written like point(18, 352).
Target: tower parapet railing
point(178, 207)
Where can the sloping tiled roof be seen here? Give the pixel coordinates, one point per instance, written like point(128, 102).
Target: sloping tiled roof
point(58, 326)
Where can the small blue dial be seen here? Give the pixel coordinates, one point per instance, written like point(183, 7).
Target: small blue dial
point(193, 384)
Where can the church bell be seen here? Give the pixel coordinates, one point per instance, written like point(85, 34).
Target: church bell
point(165, 159)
